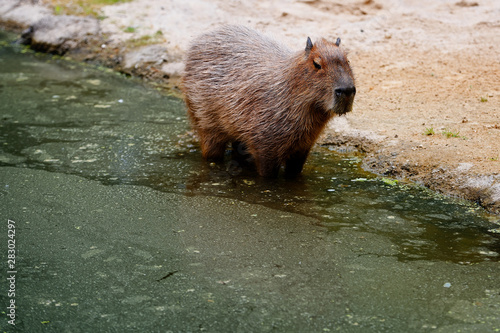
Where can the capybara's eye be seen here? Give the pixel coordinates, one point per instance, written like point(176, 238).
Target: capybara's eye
point(316, 63)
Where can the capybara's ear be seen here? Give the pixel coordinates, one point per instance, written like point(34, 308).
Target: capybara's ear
point(337, 42)
point(309, 45)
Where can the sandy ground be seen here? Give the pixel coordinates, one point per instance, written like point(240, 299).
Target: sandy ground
point(421, 67)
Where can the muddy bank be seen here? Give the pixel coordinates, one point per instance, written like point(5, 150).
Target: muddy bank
point(428, 103)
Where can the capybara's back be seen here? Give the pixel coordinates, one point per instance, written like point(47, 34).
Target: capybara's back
point(241, 86)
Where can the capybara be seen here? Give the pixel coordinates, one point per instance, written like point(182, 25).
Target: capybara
point(241, 86)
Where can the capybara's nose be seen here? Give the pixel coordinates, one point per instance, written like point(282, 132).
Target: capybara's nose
point(345, 91)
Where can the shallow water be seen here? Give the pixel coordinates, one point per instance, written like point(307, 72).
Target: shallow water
point(114, 202)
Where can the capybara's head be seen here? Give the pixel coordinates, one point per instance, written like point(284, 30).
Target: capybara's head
point(329, 75)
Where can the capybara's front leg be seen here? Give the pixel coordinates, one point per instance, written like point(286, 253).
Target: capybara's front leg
point(295, 163)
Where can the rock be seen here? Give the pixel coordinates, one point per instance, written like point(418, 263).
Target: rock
point(20, 14)
point(59, 34)
point(484, 190)
point(146, 55)
point(152, 61)
point(173, 69)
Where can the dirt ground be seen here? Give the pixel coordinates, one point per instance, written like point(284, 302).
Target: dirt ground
point(428, 74)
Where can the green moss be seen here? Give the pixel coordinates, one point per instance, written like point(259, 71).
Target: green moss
point(389, 181)
point(429, 131)
point(130, 29)
point(82, 7)
point(146, 40)
point(451, 134)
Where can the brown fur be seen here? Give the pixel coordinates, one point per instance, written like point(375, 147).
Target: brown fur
point(241, 86)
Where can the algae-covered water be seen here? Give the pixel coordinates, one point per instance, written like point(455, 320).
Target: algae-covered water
point(120, 226)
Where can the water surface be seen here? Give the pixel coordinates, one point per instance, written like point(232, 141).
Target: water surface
point(122, 226)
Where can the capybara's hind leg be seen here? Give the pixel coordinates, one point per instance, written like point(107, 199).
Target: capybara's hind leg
point(267, 168)
point(295, 163)
point(212, 148)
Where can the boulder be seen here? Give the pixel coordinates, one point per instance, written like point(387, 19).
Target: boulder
point(20, 14)
point(60, 34)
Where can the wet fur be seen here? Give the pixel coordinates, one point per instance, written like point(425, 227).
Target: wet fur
point(241, 86)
